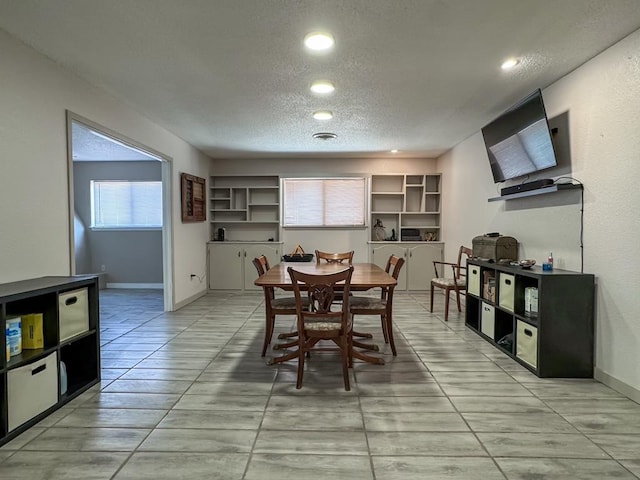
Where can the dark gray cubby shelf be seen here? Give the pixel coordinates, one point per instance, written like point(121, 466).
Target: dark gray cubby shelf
point(80, 353)
point(559, 340)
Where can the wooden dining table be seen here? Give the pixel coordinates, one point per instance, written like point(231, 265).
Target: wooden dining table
point(365, 277)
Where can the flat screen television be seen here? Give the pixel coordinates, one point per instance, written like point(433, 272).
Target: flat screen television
point(519, 141)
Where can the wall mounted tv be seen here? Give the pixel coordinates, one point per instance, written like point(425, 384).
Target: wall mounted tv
point(519, 142)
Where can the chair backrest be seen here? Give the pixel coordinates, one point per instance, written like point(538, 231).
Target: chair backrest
point(460, 270)
point(334, 257)
point(321, 290)
point(262, 266)
point(394, 265)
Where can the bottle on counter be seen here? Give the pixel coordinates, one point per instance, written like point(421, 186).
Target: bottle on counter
point(550, 260)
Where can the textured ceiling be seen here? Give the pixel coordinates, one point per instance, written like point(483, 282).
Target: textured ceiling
point(232, 78)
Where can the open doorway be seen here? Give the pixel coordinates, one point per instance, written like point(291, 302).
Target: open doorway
point(127, 243)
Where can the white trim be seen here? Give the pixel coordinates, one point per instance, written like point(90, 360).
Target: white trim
point(155, 286)
point(618, 385)
point(192, 298)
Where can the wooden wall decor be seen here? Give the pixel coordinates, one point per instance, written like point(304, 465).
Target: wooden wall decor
point(193, 198)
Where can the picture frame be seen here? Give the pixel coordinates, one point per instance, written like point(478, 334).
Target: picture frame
point(193, 198)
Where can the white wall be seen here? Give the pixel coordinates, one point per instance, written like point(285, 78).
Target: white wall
point(34, 215)
point(602, 102)
point(328, 240)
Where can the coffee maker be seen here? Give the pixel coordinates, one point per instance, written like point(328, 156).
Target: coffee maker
point(221, 234)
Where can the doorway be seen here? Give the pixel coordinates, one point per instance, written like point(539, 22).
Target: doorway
point(133, 255)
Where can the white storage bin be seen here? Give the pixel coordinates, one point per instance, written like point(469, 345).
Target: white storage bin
point(506, 291)
point(73, 310)
point(31, 390)
point(473, 274)
point(488, 320)
point(527, 343)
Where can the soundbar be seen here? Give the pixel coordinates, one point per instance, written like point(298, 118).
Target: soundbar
point(525, 187)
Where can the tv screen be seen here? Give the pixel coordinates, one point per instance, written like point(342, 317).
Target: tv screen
point(518, 142)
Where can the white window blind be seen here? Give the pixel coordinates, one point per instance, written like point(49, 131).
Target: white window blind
point(124, 204)
point(324, 202)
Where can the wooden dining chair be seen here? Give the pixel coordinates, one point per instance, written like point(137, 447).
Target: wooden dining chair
point(323, 319)
point(334, 257)
point(457, 282)
point(274, 306)
point(382, 306)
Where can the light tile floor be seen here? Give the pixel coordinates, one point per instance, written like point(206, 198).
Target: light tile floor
point(186, 395)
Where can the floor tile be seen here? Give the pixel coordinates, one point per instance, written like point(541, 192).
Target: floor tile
point(155, 465)
point(562, 469)
point(309, 467)
point(425, 467)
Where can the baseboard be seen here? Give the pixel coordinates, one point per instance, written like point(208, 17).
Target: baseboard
point(187, 301)
point(136, 285)
point(617, 385)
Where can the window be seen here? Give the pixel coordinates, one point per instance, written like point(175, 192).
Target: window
point(123, 204)
point(324, 202)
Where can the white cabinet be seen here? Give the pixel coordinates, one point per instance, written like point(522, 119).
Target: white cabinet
point(418, 269)
point(230, 263)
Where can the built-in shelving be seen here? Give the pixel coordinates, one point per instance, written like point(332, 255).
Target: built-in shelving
point(246, 207)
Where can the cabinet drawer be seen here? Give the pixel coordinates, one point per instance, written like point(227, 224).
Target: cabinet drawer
point(31, 390)
point(527, 343)
point(474, 280)
point(488, 321)
point(73, 311)
point(506, 291)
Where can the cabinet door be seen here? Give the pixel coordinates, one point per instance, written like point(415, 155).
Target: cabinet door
point(225, 267)
point(419, 267)
point(269, 250)
point(380, 255)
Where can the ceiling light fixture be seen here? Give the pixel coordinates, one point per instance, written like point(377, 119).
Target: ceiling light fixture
point(318, 41)
point(322, 87)
point(394, 150)
point(323, 115)
point(324, 135)
point(510, 63)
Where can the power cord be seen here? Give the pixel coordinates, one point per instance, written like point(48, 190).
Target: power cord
point(581, 214)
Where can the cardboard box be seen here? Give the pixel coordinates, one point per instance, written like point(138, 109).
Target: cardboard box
point(32, 331)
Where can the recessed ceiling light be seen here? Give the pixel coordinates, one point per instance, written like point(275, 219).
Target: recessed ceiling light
point(319, 41)
point(323, 115)
point(510, 63)
point(322, 86)
point(324, 135)
point(394, 151)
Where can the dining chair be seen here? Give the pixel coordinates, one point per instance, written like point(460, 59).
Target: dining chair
point(323, 319)
point(457, 282)
point(382, 306)
point(274, 306)
point(334, 257)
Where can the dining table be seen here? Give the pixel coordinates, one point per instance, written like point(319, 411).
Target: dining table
point(365, 276)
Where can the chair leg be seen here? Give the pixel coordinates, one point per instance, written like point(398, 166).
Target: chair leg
point(344, 350)
point(282, 336)
point(458, 299)
point(392, 343)
point(446, 305)
point(431, 309)
point(383, 324)
point(270, 321)
point(301, 355)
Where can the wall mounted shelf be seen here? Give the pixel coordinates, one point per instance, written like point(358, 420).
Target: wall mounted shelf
point(560, 187)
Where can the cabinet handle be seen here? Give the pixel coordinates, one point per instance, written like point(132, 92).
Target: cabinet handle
point(507, 281)
point(71, 301)
point(528, 332)
point(239, 253)
point(39, 369)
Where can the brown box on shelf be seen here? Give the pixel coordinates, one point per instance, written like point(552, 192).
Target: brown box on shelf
point(489, 286)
